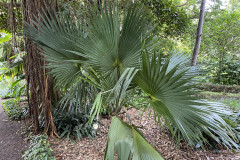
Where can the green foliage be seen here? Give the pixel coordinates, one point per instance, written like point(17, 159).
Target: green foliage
point(171, 19)
point(72, 113)
point(12, 79)
point(219, 88)
point(39, 149)
point(221, 41)
point(14, 111)
point(78, 98)
point(106, 63)
point(17, 88)
point(220, 46)
point(73, 7)
point(4, 17)
point(5, 11)
point(127, 142)
point(4, 81)
point(231, 100)
point(138, 100)
point(4, 36)
point(229, 73)
point(170, 97)
point(73, 126)
point(232, 103)
point(233, 121)
point(12, 87)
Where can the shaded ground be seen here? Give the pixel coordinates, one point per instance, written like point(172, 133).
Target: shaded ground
point(88, 149)
point(11, 142)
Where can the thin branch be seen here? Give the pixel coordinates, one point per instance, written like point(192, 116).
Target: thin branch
point(182, 4)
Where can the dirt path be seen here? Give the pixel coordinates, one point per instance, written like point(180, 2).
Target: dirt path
point(11, 143)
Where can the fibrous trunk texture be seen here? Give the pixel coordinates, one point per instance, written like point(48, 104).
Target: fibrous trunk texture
point(38, 82)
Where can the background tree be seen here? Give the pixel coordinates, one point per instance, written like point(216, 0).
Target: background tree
point(170, 16)
point(11, 21)
point(199, 33)
point(221, 41)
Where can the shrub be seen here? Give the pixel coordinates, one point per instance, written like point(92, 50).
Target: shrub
point(17, 88)
point(219, 88)
point(39, 149)
point(229, 73)
point(14, 111)
point(72, 125)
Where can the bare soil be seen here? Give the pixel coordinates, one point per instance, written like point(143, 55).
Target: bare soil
point(88, 149)
point(11, 140)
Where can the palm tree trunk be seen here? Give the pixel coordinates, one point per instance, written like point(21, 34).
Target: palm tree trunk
point(199, 33)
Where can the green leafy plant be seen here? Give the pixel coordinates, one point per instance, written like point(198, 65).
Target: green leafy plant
point(4, 36)
point(14, 111)
point(73, 111)
point(114, 51)
point(78, 98)
point(171, 19)
point(17, 88)
point(219, 88)
point(13, 75)
point(73, 126)
point(229, 73)
point(232, 101)
point(39, 149)
point(220, 47)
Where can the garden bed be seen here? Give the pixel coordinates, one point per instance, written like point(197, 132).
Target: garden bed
point(88, 149)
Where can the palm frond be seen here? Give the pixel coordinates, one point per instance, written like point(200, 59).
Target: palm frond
point(78, 98)
point(122, 85)
point(128, 143)
point(171, 97)
point(116, 95)
point(104, 43)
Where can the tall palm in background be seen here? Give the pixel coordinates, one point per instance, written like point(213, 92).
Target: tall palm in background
point(113, 50)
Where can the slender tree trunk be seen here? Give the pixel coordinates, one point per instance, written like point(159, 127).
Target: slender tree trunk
point(199, 33)
point(11, 24)
point(36, 75)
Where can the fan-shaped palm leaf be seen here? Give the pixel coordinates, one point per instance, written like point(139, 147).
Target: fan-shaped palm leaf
point(171, 97)
point(103, 43)
point(128, 143)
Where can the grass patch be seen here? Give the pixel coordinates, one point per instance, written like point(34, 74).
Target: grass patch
point(219, 88)
point(230, 99)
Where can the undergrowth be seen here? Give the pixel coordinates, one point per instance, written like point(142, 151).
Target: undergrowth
point(231, 100)
point(39, 149)
point(72, 126)
point(13, 110)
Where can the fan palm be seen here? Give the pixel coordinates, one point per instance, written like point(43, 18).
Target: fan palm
point(113, 51)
